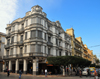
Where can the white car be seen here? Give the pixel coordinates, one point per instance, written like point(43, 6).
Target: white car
point(84, 72)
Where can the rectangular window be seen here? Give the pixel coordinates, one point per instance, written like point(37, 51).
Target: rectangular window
point(33, 33)
point(49, 39)
point(38, 48)
point(7, 52)
point(32, 48)
point(21, 38)
point(33, 20)
point(25, 35)
point(21, 50)
point(39, 34)
point(48, 51)
point(13, 28)
point(12, 39)
point(11, 51)
point(45, 36)
point(8, 41)
point(60, 53)
point(25, 48)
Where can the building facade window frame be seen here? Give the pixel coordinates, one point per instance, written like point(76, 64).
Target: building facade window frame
point(11, 53)
point(33, 48)
point(33, 33)
point(39, 34)
point(25, 48)
point(38, 48)
point(25, 35)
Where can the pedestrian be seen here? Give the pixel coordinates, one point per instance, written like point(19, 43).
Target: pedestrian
point(80, 72)
point(8, 73)
point(45, 72)
point(95, 74)
point(67, 71)
point(20, 73)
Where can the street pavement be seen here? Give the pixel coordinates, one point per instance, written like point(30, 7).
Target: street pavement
point(15, 76)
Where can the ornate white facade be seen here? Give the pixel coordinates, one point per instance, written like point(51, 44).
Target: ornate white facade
point(32, 39)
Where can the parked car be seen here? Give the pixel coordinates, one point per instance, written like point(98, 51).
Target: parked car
point(84, 72)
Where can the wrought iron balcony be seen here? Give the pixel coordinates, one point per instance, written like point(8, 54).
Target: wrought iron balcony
point(40, 54)
point(21, 30)
point(8, 35)
point(49, 44)
point(20, 43)
point(7, 46)
point(50, 32)
point(19, 55)
point(77, 50)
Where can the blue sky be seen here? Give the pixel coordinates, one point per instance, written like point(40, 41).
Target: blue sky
point(82, 15)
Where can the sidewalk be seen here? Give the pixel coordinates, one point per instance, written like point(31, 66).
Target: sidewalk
point(38, 75)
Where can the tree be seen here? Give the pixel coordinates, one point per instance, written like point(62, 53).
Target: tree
point(65, 60)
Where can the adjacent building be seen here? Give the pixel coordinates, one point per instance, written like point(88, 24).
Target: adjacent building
point(76, 43)
point(31, 39)
point(80, 49)
point(2, 42)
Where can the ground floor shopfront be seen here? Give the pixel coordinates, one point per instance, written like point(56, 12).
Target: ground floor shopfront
point(33, 66)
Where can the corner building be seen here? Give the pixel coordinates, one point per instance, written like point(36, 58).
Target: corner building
point(33, 38)
point(2, 42)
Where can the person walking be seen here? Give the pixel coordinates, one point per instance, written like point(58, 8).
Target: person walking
point(45, 72)
point(80, 73)
point(95, 74)
point(67, 71)
point(20, 73)
point(8, 73)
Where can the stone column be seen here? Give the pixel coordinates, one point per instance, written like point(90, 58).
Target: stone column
point(4, 66)
point(10, 65)
point(35, 67)
point(25, 66)
point(17, 66)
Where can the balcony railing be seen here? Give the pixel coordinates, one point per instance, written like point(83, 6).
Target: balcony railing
point(21, 30)
point(60, 47)
point(49, 32)
point(78, 44)
point(31, 54)
point(7, 46)
point(49, 44)
point(77, 50)
point(20, 43)
point(37, 54)
point(8, 35)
